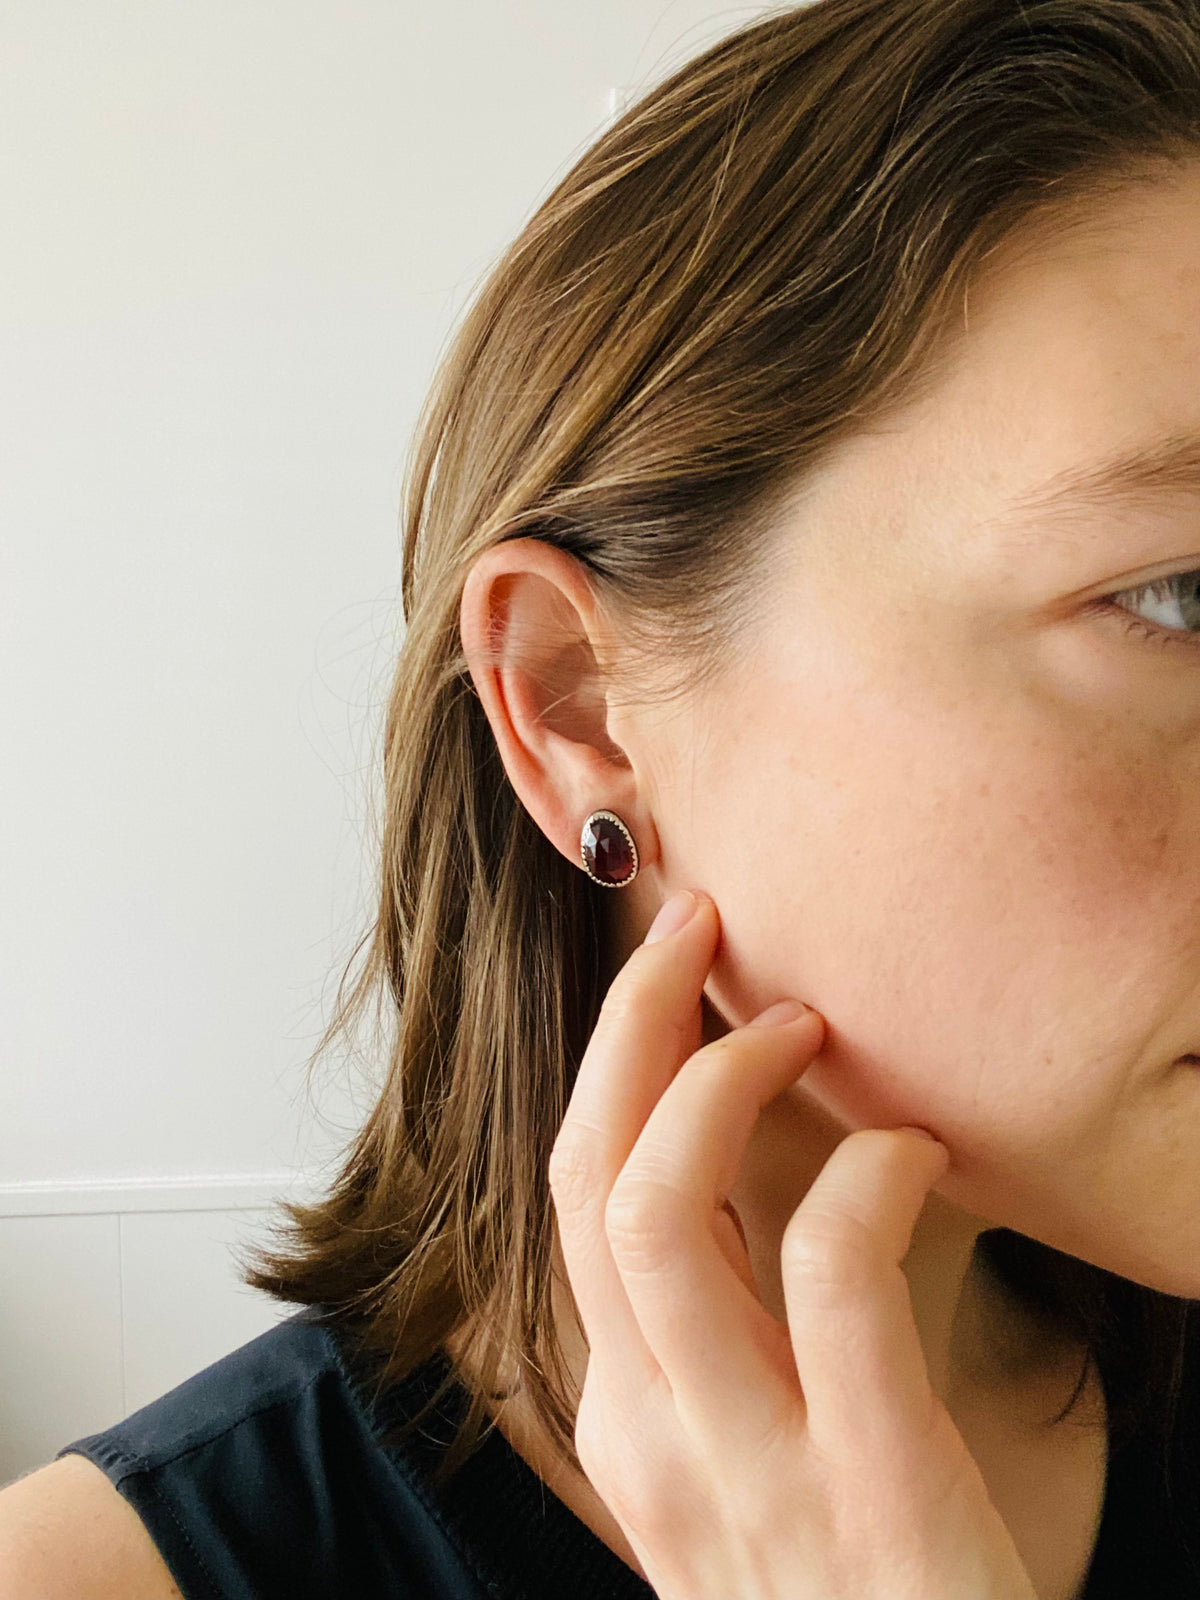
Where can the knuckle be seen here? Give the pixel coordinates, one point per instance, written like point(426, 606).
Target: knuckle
point(644, 1501)
point(832, 1250)
point(591, 1437)
point(573, 1171)
point(612, 1456)
point(643, 1224)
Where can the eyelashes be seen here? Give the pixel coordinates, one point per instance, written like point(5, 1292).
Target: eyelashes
point(1177, 595)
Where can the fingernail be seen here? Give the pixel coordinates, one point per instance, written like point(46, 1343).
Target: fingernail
point(924, 1132)
point(672, 915)
point(781, 1011)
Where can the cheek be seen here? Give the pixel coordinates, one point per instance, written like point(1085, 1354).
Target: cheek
point(997, 919)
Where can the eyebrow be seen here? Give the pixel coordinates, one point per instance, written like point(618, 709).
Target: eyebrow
point(1161, 466)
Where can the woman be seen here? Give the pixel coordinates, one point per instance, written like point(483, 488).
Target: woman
point(808, 516)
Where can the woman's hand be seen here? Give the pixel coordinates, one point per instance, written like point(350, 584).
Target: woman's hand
point(743, 1459)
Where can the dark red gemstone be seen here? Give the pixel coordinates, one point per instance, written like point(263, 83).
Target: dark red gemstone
point(606, 850)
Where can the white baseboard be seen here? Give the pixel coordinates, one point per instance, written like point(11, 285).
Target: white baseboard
point(199, 1192)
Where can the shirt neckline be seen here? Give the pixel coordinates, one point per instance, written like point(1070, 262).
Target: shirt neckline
point(509, 1525)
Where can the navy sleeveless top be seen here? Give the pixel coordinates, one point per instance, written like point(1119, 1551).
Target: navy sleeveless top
point(264, 1477)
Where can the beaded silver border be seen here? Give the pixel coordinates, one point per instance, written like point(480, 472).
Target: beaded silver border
point(610, 816)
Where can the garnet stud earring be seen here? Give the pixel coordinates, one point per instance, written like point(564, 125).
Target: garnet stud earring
point(607, 849)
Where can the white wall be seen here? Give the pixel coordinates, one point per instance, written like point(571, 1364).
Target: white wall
point(236, 234)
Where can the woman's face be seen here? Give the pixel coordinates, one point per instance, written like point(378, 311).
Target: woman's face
point(952, 803)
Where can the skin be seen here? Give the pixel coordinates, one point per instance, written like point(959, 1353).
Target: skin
point(943, 802)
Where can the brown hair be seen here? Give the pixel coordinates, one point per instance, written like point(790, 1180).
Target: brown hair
point(764, 252)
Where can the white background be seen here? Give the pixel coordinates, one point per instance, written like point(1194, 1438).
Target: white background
point(236, 236)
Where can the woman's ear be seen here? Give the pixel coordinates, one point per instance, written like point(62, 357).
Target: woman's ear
point(534, 638)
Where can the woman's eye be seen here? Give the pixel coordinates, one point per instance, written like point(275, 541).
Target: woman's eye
point(1166, 611)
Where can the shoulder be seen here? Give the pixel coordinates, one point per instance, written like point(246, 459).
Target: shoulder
point(270, 1472)
point(67, 1534)
point(151, 1502)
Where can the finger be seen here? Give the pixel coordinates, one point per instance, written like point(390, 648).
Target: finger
point(720, 1349)
point(649, 1023)
point(857, 1350)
